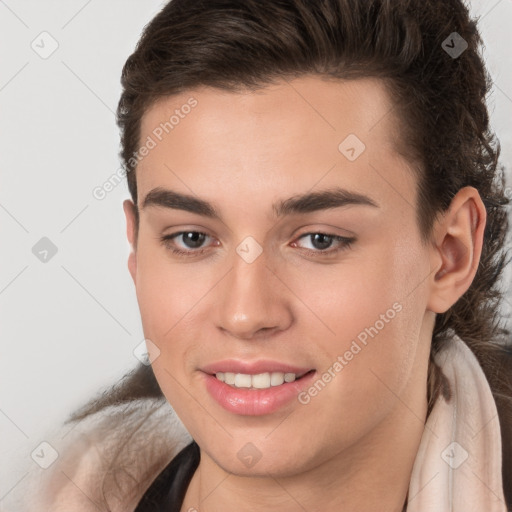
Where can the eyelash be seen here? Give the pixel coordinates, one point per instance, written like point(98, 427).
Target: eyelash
point(345, 243)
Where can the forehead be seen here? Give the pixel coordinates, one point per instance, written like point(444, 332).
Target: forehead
point(318, 103)
point(286, 136)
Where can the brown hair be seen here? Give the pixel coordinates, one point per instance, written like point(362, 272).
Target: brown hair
point(439, 98)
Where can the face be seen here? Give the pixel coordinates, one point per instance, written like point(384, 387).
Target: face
point(306, 260)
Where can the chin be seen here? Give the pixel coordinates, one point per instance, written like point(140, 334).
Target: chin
point(263, 458)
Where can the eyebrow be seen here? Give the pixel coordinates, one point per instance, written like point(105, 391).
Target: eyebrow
point(304, 203)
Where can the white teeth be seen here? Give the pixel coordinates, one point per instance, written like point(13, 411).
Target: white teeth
point(229, 378)
point(259, 381)
point(276, 378)
point(242, 380)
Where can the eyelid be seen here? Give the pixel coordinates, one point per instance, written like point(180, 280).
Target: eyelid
point(326, 229)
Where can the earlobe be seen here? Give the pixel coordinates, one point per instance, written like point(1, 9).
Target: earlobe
point(131, 233)
point(457, 247)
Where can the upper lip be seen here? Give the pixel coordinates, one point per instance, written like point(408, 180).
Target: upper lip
point(253, 367)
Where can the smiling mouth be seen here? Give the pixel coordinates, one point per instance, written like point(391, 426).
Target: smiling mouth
point(264, 380)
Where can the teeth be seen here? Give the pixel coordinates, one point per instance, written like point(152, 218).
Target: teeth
point(260, 381)
point(276, 378)
point(242, 380)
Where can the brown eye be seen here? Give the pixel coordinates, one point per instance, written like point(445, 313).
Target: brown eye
point(322, 242)
point(192, 239)
point(191, 242)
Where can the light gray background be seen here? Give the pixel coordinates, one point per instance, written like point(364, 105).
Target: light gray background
point(70, 325)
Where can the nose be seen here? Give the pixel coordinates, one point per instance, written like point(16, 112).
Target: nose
point(252, 302)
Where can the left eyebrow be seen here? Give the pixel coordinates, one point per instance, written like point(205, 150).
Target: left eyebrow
point(299, 204)
point(323, 200)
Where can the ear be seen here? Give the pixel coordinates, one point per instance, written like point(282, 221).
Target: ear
point(130, 212)
point(457, 247)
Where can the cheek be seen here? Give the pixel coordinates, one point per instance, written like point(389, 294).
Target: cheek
point(167, 292)
point(369, 284)
point(373, 370)
point(375, 309)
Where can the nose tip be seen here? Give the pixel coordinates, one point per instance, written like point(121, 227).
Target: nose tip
point(250, 304)
point(251, 323)
point(250, 332)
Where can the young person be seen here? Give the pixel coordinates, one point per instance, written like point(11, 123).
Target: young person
point(318, 225)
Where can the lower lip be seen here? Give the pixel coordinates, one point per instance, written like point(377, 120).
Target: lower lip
point(255, 402)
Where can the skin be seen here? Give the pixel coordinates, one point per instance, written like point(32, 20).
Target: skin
point(352, 447)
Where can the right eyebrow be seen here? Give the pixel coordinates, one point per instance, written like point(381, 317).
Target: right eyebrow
point(170, 199)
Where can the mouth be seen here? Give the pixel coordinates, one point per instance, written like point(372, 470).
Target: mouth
point(257, 388)
point(263, 380)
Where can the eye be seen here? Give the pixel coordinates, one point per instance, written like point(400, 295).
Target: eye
point(322, 243)
point(192, 241)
